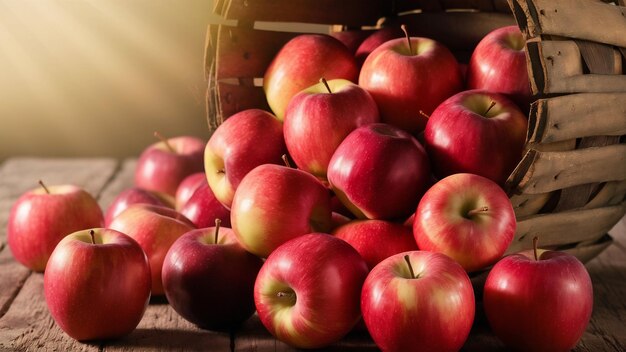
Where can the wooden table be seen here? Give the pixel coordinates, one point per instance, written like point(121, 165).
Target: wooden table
point(25, 323)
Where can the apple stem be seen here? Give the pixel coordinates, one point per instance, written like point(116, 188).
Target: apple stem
point(406, 258)
point(493, 103)
point(408, 39)
point(535, 242)
point(44, 186)
point(92, 234)
point(424, 114)
point(477, 211)
point(323, 80)
point(164, 140)
point(217, 229)
point(286, 161)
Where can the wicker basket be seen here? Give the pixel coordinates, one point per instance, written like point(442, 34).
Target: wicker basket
point(569, 189)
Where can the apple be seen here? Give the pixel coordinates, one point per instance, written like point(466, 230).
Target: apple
point(379, 172)
point(376, 39)
point(351, 38)
point(130, 196)
point(274, 204)
point(466, 217)
point(155, 228)
point(318, 119)
point(186, 188)
point(477, 132)
point(97, 284)
point(163, 165)
point(209, 278)
point(41, 217)
point(244, 141)
point(307, 292)
point(418, 301)
point(539, 301)
point(376, 240)
point(406, 76)
point(498, 64)
point(300, 63)
point(203, 208)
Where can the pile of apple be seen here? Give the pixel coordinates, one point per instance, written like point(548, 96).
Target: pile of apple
point(371, 200)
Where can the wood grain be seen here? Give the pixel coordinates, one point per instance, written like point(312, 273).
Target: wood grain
point(163, 329)
point(27, 325)
point(556, 17)
point(577, 115)
point(124, 178)
point(567, 227)
point(346, 12)
point(550, 171)
point(557, 67)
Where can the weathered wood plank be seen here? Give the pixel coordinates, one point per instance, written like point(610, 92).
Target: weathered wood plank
point(542, 172)
point(246, 52)
point(557, 67)
point(210, 48)
point(556, 17)
point(526, 205)
point(124, 178)
point(233, 98)
point(579, 195)
point(578, 115)
point(459, 31)
point(163, 329)
point(600, 58)
point(567, 227)
point(347, 12)
point(28, 326)
point(12, 278)
point(611, 193)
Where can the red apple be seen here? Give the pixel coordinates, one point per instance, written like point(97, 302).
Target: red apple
point(186, 188)
point(376, 39)
point(466, 217)
point(300, 64)
point(498, 64)
point(405, 80)
point(539, 303)
point(376, 240)
point(351, 38)
point(418, 301)
point(97, 284)
point(478, 132)
point(128, 197)
point(155, 228)
point(379, 172)
point(307, 292)
point(163, 165)
point(274, 204)
point(203, 208)
point(41, 217)
point(244, 141)
point(320, 117)
point(209, 278)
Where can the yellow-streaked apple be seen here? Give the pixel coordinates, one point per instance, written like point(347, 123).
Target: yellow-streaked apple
point(274, 204)
point(244, 141)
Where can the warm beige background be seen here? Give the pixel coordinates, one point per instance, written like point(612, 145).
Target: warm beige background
point(97, 77)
